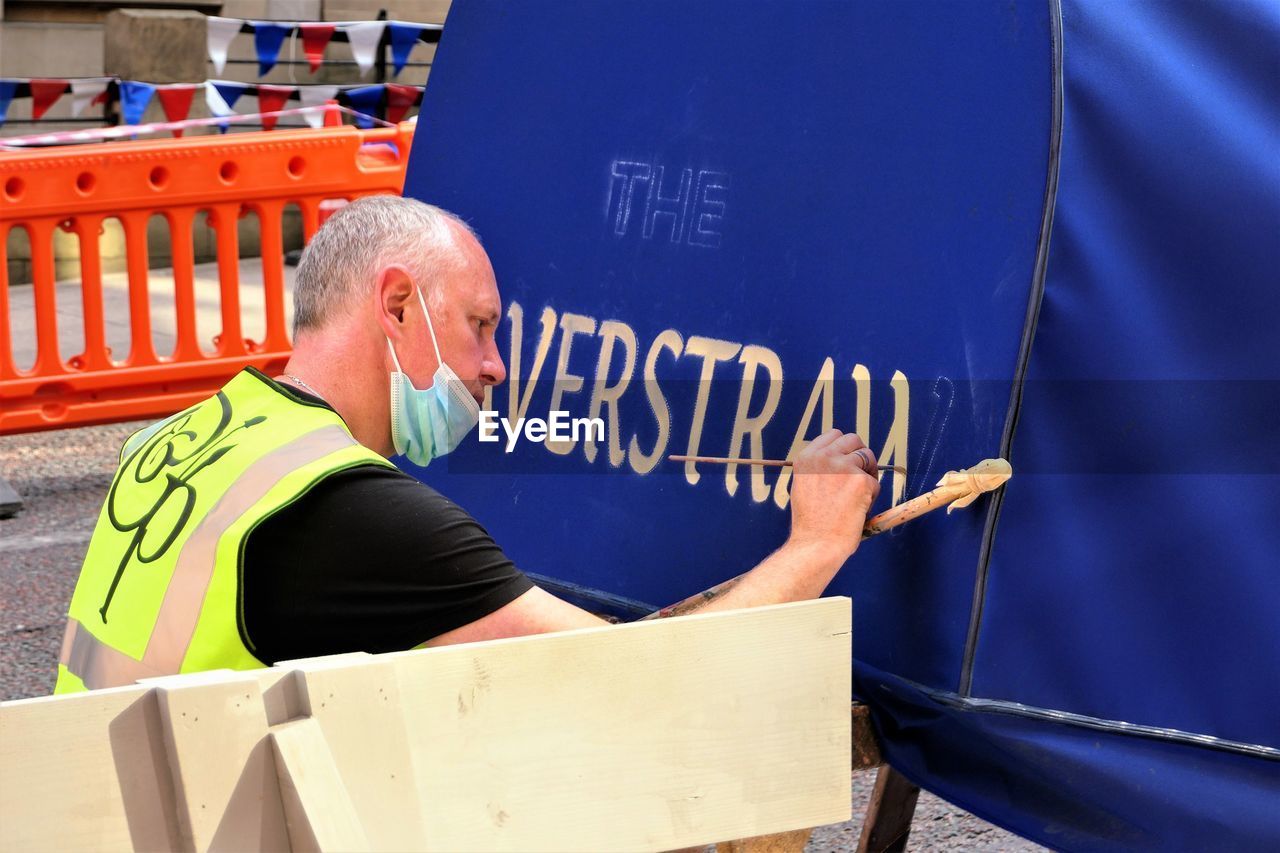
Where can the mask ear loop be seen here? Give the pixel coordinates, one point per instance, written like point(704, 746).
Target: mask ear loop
point(430, 328)
point(394, 360)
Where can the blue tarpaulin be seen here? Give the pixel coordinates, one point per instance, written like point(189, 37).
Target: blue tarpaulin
point(1038, 230)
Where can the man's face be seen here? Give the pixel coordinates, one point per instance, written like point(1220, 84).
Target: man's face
point(465, 317)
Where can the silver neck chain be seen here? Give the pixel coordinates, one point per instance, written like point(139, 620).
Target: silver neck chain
point(304, 386)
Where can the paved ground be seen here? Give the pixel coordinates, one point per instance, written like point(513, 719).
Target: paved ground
point(63, 477)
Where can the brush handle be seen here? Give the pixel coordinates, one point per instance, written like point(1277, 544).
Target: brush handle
point(766, 463)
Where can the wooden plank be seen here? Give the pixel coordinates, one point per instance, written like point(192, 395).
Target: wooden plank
point(655, 735)
point(645, 736)
point(280, 699)
point(356, 701)
point(224, 774)
point(86, 771)
point(317, 806)
point(888, 822)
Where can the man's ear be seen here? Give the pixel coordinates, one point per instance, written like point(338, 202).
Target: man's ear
point(393, 291)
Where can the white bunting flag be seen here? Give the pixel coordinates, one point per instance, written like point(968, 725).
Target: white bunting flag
point(314, 96)
point(365, 38)
point(220, 33)
point(85, 92)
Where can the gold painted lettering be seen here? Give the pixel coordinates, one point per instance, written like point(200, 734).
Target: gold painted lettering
point(894, 451)
point(566, 382)
point(640, 462)
point(612, 332)
point(824, 392)
point(710, 350)
point(862, 412)
point(745, 425)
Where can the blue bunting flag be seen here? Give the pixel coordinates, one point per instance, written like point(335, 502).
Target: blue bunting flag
point(7, 88)
point(267, 38)
point(365, 101)
point(134, 97)
point(230, 92)
point(403, 38)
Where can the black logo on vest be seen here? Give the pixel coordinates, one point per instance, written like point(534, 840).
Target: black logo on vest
point(165, 465)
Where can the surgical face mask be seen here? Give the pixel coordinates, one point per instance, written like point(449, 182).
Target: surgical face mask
point(428, 424)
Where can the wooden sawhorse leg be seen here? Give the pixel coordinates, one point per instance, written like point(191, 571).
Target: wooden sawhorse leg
point(888, 821)
point(783, 842)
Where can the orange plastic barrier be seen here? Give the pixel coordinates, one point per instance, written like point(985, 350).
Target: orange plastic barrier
point(78, 189)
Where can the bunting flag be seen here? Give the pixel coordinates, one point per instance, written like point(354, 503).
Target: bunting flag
point(267, 38)
point(315, 38)
point(314, 96)
point(44, 94)
point(134, 98)
point(219, 33)
point(400, 99)
point(87, 92)
point(176, 102)
point(365, 101)
point(364, 38)
point(229, 92)
point(213, 99)
point(216, 93)
point(403, 38)
point(272, 99)
point(221, 96)
point(7, 88)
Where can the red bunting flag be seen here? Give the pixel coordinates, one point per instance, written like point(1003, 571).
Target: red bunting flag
point(399, 99)
point(176, 102)
point(315, 37)
point(271, 99)
point(44, 94)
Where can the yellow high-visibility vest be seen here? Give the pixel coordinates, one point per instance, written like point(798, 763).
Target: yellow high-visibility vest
point(159, 593)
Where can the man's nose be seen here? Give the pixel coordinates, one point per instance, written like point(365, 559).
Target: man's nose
point(492, 370)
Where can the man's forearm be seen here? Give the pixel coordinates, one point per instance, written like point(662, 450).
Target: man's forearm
point(797, 571)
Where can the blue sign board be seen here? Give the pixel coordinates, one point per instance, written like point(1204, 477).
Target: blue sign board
point(962, 230)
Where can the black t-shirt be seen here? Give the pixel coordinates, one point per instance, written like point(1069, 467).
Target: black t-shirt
point(368, 560)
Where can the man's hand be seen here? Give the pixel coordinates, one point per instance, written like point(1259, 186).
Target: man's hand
point(833, 488)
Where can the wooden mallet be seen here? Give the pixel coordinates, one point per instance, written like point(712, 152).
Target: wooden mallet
point(956, 489)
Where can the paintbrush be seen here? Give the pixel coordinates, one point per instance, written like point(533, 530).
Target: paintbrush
point(769, 463)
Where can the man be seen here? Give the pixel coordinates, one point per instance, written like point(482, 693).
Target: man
point(266, 523)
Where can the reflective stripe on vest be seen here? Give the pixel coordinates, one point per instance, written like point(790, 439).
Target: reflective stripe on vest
point(99, 665)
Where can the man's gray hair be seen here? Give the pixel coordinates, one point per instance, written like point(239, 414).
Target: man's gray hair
point(339, 264)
